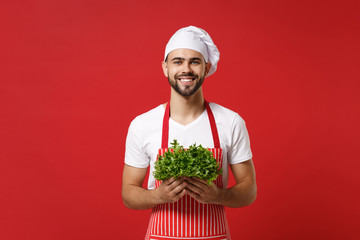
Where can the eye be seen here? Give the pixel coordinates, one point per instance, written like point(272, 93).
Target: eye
point(195, 62)
point(177, 62)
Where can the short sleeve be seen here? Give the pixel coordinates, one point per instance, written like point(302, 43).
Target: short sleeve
point(134, 154)
point(240, 150)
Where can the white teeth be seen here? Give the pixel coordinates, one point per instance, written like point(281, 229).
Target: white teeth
point(186, 80)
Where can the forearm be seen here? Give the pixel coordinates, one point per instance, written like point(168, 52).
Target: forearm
point(240, 195)
point(138, 198)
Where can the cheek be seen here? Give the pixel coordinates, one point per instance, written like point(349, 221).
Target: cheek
point(201, 71)
point(172, 72)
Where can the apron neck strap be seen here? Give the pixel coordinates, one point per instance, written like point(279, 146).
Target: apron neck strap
point(165, 129)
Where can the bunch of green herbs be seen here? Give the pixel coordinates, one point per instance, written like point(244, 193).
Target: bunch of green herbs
point(195, 162)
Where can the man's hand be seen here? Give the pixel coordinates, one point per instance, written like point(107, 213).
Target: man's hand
point(203, 192)
point(243, 193)
point(137, 197)
point(171, 190)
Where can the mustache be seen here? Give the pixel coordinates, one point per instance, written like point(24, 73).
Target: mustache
point(187, 75)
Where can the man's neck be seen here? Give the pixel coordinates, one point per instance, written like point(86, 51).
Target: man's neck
point(184, 110)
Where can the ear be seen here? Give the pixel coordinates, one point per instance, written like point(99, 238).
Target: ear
point(165, 69)
point(207, 68)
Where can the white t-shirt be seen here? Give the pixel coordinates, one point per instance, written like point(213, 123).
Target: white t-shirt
point(145, 132)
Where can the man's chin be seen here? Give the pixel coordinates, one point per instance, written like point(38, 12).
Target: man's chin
point(185, 91)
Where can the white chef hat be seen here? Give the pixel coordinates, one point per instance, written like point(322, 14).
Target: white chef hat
point(196, 39)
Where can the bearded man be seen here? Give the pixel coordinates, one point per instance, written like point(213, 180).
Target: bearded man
point(187, 207)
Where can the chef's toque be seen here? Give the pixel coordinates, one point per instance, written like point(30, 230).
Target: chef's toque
point(196, 39)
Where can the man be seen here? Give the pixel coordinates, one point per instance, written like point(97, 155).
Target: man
point(188, 208)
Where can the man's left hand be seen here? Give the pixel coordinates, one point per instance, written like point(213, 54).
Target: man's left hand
point(203, 192)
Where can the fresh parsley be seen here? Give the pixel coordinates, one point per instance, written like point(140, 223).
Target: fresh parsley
point(193, 162)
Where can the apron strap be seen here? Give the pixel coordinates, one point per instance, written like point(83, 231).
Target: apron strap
point(165, 129)
point(214, 130)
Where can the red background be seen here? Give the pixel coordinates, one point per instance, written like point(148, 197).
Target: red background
point(75, 73)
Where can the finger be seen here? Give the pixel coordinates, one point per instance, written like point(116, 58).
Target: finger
point(179, 187)
point(195, 189)
point(177, 182)
point(197, 197)
point(197, 183)
point(181, 194)
point(169, 181)
point(201, 180)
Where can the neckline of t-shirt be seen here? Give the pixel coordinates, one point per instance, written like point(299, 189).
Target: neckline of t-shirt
point(189, 125)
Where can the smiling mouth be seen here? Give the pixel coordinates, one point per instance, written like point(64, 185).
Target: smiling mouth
point(186, 79)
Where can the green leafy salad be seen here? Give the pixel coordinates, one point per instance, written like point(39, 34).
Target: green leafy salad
point(193, 162)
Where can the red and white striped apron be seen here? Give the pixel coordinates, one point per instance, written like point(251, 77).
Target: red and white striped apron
point(187, 218)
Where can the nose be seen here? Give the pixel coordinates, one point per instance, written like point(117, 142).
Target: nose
point(186, 67)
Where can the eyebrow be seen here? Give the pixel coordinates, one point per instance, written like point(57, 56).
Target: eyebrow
point(182, 59)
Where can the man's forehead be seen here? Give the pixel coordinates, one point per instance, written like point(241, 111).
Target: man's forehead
point(185, 53)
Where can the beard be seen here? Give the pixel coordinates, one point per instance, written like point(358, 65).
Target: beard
point(187, 90)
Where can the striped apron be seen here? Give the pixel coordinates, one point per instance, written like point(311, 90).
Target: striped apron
point(187, 218)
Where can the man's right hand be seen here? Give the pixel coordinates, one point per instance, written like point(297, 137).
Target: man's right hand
point(171, 190)
point(137, 197)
